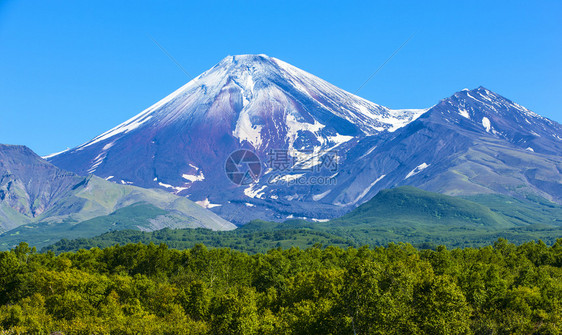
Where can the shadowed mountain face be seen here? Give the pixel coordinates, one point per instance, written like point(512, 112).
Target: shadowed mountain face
point(29, 186)
point(34, 192)
point(474, 142)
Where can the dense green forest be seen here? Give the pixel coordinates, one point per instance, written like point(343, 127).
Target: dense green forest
point(260, 236)
point(397, 289)
point(256, 237)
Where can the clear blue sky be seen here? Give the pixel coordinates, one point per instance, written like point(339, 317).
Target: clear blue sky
point(70, 70)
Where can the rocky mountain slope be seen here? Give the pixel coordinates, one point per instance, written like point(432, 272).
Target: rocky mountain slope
point(35, 193)
point(322, 151)
point(471, 143)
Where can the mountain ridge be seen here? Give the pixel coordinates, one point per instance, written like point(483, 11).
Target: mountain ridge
point(262, 104)
point(35, 193)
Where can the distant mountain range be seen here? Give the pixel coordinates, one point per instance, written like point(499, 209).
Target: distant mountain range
point(40, 203)
point(337, 150)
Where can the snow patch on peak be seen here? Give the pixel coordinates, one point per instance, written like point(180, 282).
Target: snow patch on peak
point(320, 220)
point(486, 124)
point(246, 131)
point(97, 161)
point(176, 188)
point(55, 154)
point(401, 117)
point(165, 185)
point(317, 197)
point(339, 139)
point(108, 146)
point(296, 125)
point(246, 58)
point(207, 204)
point(365, 191)
point(417, 170)
point(254, 192)
point(486, 96)
point(193, 178)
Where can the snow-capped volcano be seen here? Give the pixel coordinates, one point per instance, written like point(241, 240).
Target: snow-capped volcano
point(247, 101)
point(475, 141)
point(258, 94)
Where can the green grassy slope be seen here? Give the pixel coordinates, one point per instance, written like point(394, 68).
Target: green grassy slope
point(530, 211)
point(40, 203)
point(137, 216)
point(408, 214)
point(96, 206)
point(403, 214)
point(410, 205)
